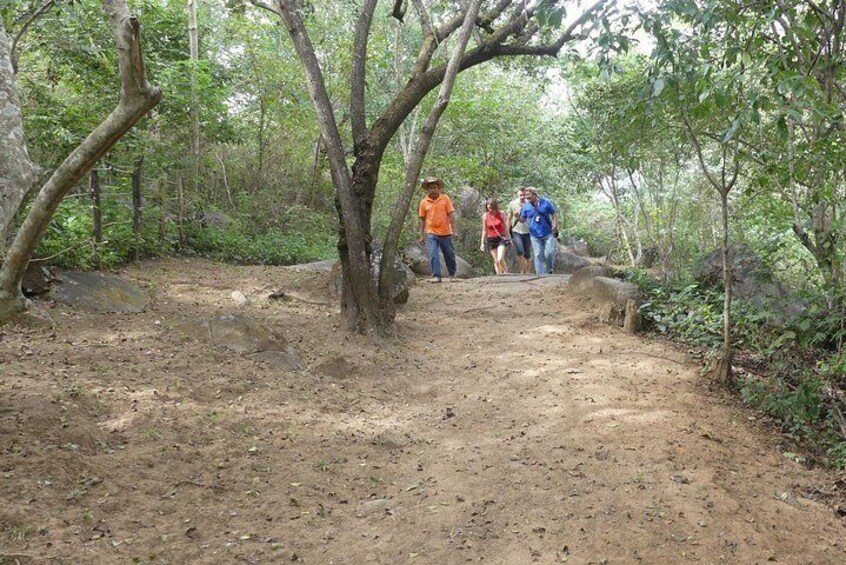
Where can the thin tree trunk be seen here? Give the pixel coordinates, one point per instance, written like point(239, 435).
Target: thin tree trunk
point(722, 371)
point(180, 220)
point(137, 204)
point(226, 181)
point(194, 51)
point(162, 209)
point(96, 210)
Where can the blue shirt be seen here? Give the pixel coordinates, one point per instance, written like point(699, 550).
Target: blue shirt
point(540, 218)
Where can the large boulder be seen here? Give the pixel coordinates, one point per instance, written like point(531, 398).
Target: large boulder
point(578, 247)
point(418, 261)
point(583, 278)
point(568, 263)
point(96, 292)
point(469, 204)
point(751, 281)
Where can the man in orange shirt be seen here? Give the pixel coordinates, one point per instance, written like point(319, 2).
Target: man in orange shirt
point(437, 226)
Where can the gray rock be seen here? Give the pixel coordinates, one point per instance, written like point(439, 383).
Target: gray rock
point(235, 332)
point(375, 506)
point(239, 298)
point(37, 280)
point(568, 263)
point(469, 203)
point(210, 219)
point(287, 360)
point(314, 267)
point(613, 296)
point(581, 279)
point(418, 262)
point(97, 292)
point(751, 281)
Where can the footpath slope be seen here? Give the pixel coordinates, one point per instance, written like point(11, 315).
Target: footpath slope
point(501, 424)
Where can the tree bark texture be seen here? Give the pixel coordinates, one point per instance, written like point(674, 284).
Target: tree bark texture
point(137, 98)
point(17, 173)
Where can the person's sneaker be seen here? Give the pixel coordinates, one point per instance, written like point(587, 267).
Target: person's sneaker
point(454, 278)
point(435, 280)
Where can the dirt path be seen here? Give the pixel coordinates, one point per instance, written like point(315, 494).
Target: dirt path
point(558, 441)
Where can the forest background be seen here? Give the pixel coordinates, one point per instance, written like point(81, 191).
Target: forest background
point(657, 129)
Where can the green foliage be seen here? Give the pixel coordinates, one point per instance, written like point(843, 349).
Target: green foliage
point(69, 241)
point(276, 246)
point(804, 412)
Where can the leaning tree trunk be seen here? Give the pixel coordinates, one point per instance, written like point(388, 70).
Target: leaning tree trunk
point(17, 172)
point(137, 98)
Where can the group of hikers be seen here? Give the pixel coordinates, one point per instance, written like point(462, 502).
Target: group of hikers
point(530, 224)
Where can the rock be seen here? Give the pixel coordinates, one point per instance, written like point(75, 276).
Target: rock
point(235, 332)
point(375, 506)
point(418, 262)
point(568, 263)
point(239, 298)
point(287, 360)
point(751, 281)
point(335, 367)
point(314, 267)
point(578, 247)
point(392, 439)
point(97, 292)
point(469, 203)
point(582, 278)
point(613, 297)
point(210, 219)
point(37, 280)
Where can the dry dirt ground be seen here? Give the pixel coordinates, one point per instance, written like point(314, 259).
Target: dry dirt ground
point(502, 424)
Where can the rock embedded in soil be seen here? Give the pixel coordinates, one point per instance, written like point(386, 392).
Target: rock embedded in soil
point(98, 292)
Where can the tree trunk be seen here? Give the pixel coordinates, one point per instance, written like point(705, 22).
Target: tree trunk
point(722, 370)
point(96, 210)
point(194, 51)
point(137, 98)
point(415, 164)
point(17, 173)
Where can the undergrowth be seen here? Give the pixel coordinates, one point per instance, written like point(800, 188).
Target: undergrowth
point(802, 357)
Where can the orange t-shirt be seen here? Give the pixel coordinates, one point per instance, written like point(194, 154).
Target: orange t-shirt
point(437, 213)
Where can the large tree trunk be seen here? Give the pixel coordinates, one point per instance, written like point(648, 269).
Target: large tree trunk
point(137, 98)
point(17, 172)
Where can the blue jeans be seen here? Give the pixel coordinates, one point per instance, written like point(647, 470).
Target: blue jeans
point(544, 250)
point(434, 243)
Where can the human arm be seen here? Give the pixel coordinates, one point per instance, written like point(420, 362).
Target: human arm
point(422, 236)
point(451, 217)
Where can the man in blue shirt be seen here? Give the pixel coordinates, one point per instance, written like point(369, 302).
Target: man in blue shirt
point(542, 218)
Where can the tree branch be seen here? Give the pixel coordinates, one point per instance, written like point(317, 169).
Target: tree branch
point(13, 50)
point(359, 73)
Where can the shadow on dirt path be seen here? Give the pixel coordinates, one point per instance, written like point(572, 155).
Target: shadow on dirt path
point(501, 424)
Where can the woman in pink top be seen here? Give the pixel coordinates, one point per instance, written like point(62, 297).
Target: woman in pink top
point(495, 232)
